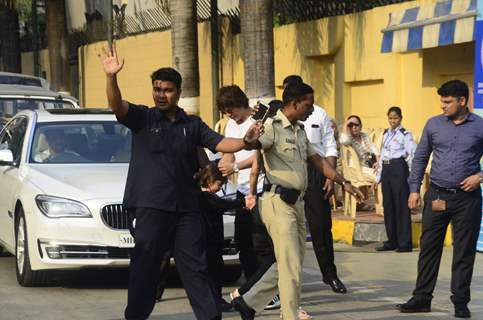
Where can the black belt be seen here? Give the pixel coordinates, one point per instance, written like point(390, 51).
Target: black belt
point(278, 189)
point(268, 187)
point(445, 190)
point(392, 160)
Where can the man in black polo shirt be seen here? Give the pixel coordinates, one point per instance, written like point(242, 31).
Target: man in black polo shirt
point(160, 189)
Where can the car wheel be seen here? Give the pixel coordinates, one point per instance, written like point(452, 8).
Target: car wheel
point(25, 275)
point(232, 273)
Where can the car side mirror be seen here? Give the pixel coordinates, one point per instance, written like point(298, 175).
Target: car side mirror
point(6, 158)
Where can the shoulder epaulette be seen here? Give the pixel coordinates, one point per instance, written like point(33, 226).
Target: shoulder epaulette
point(403, 131)
point(385, 131)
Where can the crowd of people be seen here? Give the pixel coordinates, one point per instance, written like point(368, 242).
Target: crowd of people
point(286, 169)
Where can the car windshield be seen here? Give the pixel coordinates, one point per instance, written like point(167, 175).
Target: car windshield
point(11, 106)
point(81, 142)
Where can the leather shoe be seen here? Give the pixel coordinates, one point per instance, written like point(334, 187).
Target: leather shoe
point(384, 248)
point(404, 250)
point(462, 311)
point(415, 306)
point(336, 285)
point(242, 307)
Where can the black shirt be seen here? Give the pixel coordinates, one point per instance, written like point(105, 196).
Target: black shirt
point(164, 158)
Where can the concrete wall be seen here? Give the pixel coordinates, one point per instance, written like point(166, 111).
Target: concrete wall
point(339, 56)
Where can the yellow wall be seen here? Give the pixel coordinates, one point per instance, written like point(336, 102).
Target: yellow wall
point(339, 56)
point(142, 54)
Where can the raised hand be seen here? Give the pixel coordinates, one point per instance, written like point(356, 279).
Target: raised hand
point(254, 132)
point(110, 60)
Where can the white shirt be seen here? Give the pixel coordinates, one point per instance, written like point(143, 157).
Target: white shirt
point(320, 133)
point(234, 130)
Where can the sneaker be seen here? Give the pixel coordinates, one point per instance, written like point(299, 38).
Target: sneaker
point(274, 304)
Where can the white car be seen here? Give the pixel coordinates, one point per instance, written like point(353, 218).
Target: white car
point(62, 178)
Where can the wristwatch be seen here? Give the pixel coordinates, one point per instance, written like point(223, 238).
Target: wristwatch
point(235, 167)
point(481, 177)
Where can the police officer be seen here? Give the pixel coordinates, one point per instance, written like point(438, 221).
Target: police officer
point(160, 180)
point(285, 150)
point(398, 148)
point(317, 205)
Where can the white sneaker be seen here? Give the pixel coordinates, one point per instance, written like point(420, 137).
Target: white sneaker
point(274, 304)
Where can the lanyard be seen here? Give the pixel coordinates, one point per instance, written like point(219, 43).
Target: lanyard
point(388, 140)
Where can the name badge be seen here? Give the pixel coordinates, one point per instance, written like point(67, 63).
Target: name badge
point(288, 140)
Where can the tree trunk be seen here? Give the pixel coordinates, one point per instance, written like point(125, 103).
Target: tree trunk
point(9, 40)
point(256, 19)
point(57, 45)
point(184, 44)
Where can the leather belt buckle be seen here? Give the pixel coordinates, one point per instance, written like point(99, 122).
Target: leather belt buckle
point(386, 161)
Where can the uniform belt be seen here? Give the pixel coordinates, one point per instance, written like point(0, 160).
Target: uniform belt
point(275, 188)
point(445, 190)
point(392, 160)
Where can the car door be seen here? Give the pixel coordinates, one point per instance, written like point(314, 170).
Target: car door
point(12, 138)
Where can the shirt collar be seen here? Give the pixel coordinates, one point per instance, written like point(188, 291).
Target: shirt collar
point(469, 117)
point(179, 116)
point(285, 122)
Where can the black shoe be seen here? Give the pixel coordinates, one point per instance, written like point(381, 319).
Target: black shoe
point(462, 311)
point(384, 248)
point(404, 250)
point(225, 306)
point(245, 311)
point(336, 285)
point(415, 306)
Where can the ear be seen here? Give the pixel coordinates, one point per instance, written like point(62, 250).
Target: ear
point(462, 101)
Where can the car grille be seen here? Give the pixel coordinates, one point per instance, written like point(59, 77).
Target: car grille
point(115, 216)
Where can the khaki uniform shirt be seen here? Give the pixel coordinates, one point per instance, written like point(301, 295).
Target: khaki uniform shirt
point(285, 150)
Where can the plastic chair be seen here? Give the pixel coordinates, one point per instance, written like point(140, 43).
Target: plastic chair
point(353, 171)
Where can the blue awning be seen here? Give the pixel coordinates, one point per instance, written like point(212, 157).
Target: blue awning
point(443, 23)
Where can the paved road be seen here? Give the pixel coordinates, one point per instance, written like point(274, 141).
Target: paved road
point(376, 281)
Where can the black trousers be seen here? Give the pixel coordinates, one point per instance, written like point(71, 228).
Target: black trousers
point(397, 216)
point(263, 248)
point(464, 212)
point(213, 223)
point(244, 240)
point(155, 233)
point(319, 219)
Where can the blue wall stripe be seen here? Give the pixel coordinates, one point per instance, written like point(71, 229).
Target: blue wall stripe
point(446, 33)
point(442, 8)
point(472, 5)
point(387, 41)
point(410, 15)
point(415, 38)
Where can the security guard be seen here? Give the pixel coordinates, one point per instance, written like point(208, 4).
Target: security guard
point(160, 180)
point(285, 150)
point(398, 148)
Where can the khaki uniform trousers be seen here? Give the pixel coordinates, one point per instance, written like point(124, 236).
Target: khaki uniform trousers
point(286, 225)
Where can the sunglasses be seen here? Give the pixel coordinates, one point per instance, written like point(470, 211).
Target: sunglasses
point(353, 125)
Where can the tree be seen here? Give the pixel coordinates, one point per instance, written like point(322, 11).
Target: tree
point(256, 19)
point(184, 44)
point(57, 45)
point(9, 37)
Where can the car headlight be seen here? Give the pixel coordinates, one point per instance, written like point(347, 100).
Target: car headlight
point(55, 207)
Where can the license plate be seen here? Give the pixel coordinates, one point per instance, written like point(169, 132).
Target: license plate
point(126, 241)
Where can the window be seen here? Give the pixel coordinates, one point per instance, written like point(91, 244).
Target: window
point(81, 142)
point(13, 136)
